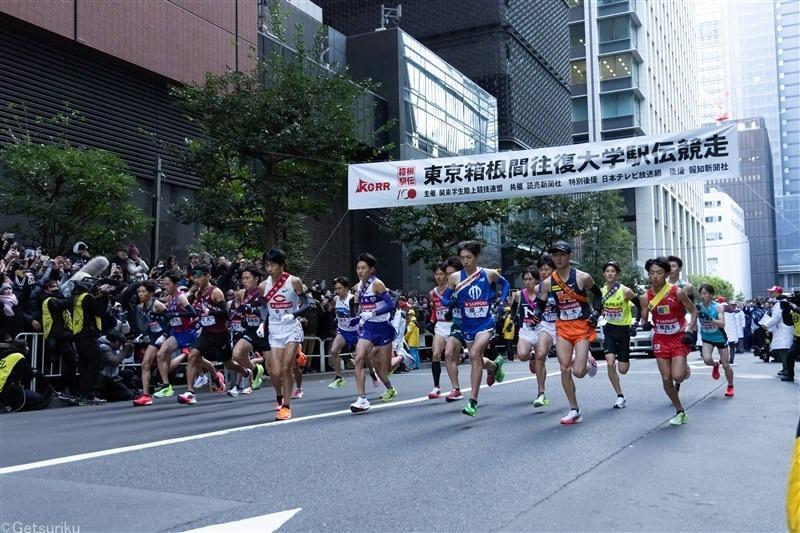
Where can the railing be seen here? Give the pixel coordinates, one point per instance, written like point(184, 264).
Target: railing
point(35, 342)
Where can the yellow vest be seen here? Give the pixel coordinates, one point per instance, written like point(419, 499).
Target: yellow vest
point(47, 319)
point(616, 308)
point(77, 316)
point(412, 335)
point(508, 333)
point(796, 322)
point(7, 364)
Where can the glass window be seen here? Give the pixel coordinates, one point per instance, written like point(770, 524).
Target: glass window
point(614, 29)
point(617, 105)
point(580, 110)
point(617, 66)
point(578, 72)
point(577, 35)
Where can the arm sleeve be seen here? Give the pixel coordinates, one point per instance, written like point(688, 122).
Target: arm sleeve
point(506, 286)
point(385, 304)
point(597, 301)
point(305, 305)
point(446, 296)
point(219, 309)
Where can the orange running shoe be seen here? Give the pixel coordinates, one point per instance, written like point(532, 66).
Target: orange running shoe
point(302, 359)
point(284, 413)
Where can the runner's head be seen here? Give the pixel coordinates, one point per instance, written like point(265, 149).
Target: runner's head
point(340, 286)
point(202, 275)
point(145, 290)
point(251, 277)
point(365, 266)
point(545, 265)
point(468, 252)
point(275, 261)
point(453, 264)
point(611, 271)
point(675, 265)
point(530, 277)
point(706, 293)
point(440, 273)
point(657, 270)
point(170, 281)
point(561, 252)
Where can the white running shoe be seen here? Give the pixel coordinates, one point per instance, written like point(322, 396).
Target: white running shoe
point(361, 405)
point(187, 398)
point(233, 392)
point(592, 366)
point(621, 403)
point(246, 390)
point(435, 393)
point(297, 394)
point(573, 417)
point(201, 381)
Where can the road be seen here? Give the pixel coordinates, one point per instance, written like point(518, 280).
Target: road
point(414, 464)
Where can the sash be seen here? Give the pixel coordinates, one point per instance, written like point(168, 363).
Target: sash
point(611, 292)
point(524, 294)
point(660, 296)
point(469, 279)
point(275, 288)
point(568, 290)
point(364, 286)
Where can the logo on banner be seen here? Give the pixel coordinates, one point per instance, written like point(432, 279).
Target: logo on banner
point(405, 176)
point(365, 186)
point(406, 194)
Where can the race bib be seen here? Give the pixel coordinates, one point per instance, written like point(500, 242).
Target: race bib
point(669, 328)
point(570, 311)
point(707, 326)
point(613, 314)
point(476, 309)
point(440, 313)
point(207, 321)
point(155, 327)
point(236, 325)
point(176, 321)
point(253, 322)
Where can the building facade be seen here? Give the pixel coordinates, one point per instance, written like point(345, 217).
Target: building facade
point(787, 204)
point(630, 77)
point(727, 246)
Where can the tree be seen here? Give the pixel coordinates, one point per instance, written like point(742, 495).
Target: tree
point(607, 238)
point(67, 193)
point(275, 147)
point(721, 286)
point(432, 233)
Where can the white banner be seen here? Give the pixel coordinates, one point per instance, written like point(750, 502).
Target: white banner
point(710, 152)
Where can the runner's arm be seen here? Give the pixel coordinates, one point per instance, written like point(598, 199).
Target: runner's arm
point(220, 307)
point(305, 304)
point(644, 312)
point(719, 322)
point(185, 308)
point(628, 294)
point(688, 304)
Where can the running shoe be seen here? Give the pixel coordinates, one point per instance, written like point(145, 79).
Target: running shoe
point(471, 409)
point(389, 395)
point(715, 371)
point(573, 417)
point(220, 383)
point(532, 365)
point(201, 381)
point(337, 383)
point(187, 398)
point(246, 390)
point(490, 378)
point(541, 400)
point(729, 391)
point(500, 374)
point(259, 378)
point(301, 359)
point(361, 405)
point(144, 399)
point(297, 394)
point(621, 403)
point(434, 394)
point(284, 413)
point(592, 366)
point(277, 406)
point(165, 392)
point(91, 400)
point(233, 392)
point(679, 419)
point(454, 395)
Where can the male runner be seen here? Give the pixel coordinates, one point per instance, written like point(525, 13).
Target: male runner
point(617, 308)
point(712, 332)
point(347, 326)
point(182, 317)
point(246, 318)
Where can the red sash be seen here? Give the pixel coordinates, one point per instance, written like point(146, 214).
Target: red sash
point(275, 288)
point(568, 290)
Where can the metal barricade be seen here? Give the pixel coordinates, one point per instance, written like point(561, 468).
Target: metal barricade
point(35, 342)
point(320, 351)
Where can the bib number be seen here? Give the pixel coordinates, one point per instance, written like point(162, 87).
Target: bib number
point(207, 321)
point(155, 327)
point(670, 328)
point(479, 310)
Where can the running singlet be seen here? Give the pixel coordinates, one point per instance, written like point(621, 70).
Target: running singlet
point(475, 297)
point(527, 306)
point(209, 322)
point(344, 316)
point(246, 317)
point(616, 308)
point(155, 321)
point(709, 331)
point(568, 307)
point(550, 313)
point(439, 309)
point(283, 301)
point(669, 316)
point(368, 300)
point(179, 324)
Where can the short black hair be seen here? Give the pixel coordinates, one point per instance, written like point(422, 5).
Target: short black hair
point(612, 264)
point(676, 259)
point(367, 258)
point(275, 255)
point(533, 271)
point(454, 262)
point(342, 280)
point(660, 261)
point(172, 275)
point(706, 287)
point(473, 247)
point(545, 259)
point(148, 285)
point(253, 271)
point(441, 265)
point(202, 268)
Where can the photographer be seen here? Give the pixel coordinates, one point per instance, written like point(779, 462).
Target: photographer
point(15, 377)
point(779, 322)
point(88, 314)
point(793, 306)
point(113, 350)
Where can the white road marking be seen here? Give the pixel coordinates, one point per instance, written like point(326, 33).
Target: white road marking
point(178, 440)
point(258, 524)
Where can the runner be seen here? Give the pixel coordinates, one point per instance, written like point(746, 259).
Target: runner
point(712, 332)
point(375, 330)
point(182, 317)
point(214, 341)
point(247, 317)
point(675, 269)
point(473, 291)
point(575, 325)
point(285, 301)
point(671, 339)
point(150, 321)
point(346, 329)
point(617, 309)
point(441, 328)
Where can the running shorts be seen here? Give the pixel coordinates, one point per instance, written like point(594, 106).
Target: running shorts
point(669, 346)
point(617, 341)
point(575, 331)
point(214, 346)
point(186, 339)
point(378, 333)
point(282, 334)
point(350, 337)
point(472, 328)
point(259, 344)
point(443, 329)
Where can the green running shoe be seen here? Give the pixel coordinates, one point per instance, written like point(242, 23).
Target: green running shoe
point(258, 379)
point(500, 374)
point(337, 383)
point(679, 419)
point(541, 400)
point(389, 395)
point(470, 409)
point(165, 392)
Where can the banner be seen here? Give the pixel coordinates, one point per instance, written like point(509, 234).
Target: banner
point(710, 152)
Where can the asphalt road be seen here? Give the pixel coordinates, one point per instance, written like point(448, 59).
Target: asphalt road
point(415, 464)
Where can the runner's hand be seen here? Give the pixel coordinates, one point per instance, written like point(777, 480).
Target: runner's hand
point(594, 318)
point(288, 318)
point(366, 315)
point(260, 330)
point(647, 326)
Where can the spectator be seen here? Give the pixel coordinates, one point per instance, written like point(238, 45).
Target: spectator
point(120, 259)
point(731, 327)
point(15, 378)
point(781, 328)
point(113, 349)
point(740, 323)
point(89, 313)
point(136, 264)
point(80, 254)
point(58, 339)
point(412, 336)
